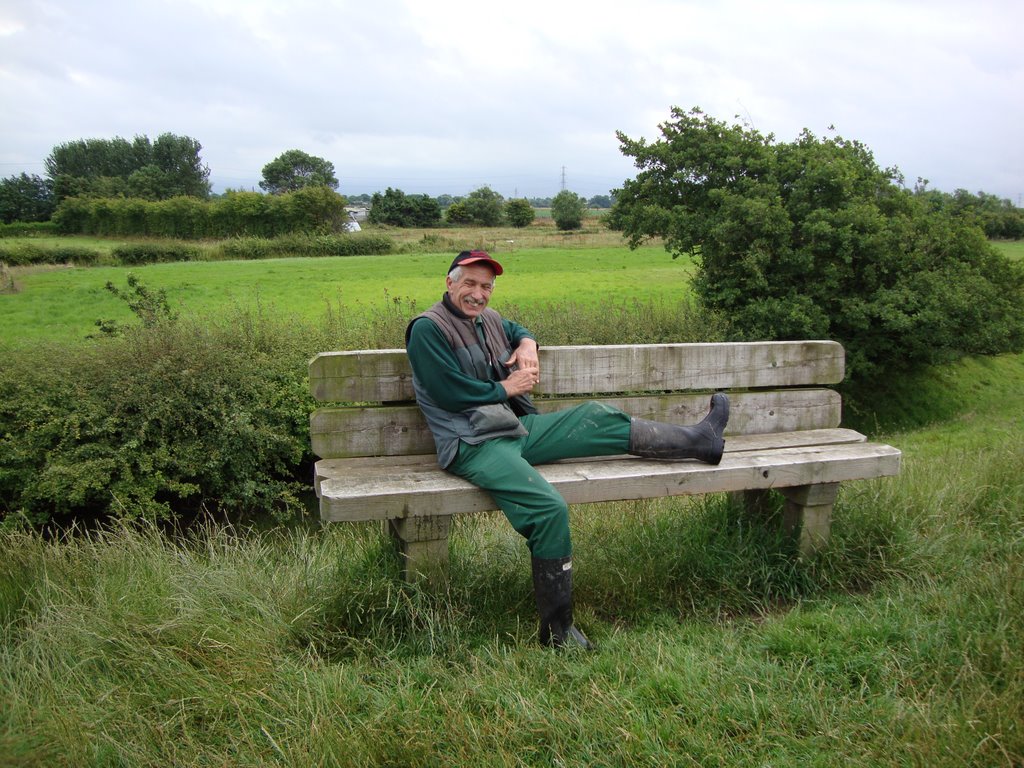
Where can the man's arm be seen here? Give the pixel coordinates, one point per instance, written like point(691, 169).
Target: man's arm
point(437, 369)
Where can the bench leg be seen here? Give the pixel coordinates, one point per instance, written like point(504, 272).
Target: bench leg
point(423, 543)
point(808, 510)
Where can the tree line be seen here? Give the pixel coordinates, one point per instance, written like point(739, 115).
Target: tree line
point(482, 207)
point(170, 167)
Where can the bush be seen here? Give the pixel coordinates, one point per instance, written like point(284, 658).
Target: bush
point(813, 240)
point(246, 248)
point(165, 419)
point(24, 254)
point(133, 254)
point(568, 210)
point(519, 212)
point(27, 254)
point(28, 229)
point(362, 244)
point(171, 416)
point(397, 209)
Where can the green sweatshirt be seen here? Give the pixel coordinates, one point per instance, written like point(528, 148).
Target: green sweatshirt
point(435, 365)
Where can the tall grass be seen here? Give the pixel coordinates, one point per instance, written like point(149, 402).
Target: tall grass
point(901, 644)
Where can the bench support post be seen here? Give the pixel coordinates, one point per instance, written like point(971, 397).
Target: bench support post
point(807, 511)
point(423, 543)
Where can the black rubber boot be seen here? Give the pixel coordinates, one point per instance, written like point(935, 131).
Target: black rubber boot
point(703, 441)
point(552, 586)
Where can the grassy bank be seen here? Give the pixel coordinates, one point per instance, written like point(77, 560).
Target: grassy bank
point(900, 645)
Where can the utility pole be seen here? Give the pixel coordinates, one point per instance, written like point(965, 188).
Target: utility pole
point(563, 178)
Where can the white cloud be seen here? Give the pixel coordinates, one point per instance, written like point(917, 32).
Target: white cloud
point(445, 96)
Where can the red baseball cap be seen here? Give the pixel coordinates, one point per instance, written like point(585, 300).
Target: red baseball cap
point(473, 257)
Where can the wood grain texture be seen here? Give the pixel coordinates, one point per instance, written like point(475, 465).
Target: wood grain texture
point(365, 490)
point(385, 376)
point(339, 432)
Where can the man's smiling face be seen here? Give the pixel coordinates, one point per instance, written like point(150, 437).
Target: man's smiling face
point(471, 292)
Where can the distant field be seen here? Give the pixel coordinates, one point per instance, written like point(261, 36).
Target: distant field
point(1012, 248)
point(65, 302)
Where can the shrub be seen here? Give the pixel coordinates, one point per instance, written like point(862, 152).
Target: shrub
point(73, 254)
point(568, 210)
point(27, 254)
point(23, 254)
point(363, 244)
point(133, 254)
point(813, 240)
point(28, 229)
point(519, 212)
point(243, 248)
point(459, 213)
point(165, 419)
point(398, 209)
point(313, 209)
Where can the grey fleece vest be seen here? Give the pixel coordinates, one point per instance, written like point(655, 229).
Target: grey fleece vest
point(481, 361)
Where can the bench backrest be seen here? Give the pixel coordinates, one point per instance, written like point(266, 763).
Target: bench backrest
point(773, 387)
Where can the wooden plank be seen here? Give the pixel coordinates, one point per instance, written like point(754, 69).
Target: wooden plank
point(385, 376)
point(418, 489)
point(400, 430)
point(427, 462)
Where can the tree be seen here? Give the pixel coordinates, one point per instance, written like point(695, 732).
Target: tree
point(398, 209)
point(459, 213)
point(486, 207)
point(568, 210)
point(519, 212)
point(169, 167)
point(184, 173)
point(26, 198)
point(812, 239)
point(294, 170)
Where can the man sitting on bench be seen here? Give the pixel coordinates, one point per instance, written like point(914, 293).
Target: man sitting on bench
point(473, 372)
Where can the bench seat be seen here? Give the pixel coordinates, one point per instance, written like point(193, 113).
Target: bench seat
point(413, 486)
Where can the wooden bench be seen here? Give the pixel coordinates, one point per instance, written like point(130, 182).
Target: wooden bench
point(378, 460)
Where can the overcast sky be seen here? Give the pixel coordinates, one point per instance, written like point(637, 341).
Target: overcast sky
point(445, 96)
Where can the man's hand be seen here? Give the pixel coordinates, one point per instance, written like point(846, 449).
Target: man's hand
point(525, 356)
point(520, 382)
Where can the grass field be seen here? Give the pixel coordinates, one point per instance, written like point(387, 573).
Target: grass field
point(1012, 248)
point(66, 302)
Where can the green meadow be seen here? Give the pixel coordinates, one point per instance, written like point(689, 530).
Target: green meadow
point(65, 302)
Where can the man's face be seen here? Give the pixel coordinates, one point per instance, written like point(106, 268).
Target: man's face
point(473, 289)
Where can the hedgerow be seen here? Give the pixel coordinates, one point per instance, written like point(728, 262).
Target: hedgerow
point(28, 254)
point(298, 244)
point(27, 229)
point(311, 209)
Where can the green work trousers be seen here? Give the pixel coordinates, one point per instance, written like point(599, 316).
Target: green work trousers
point(504, 468)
